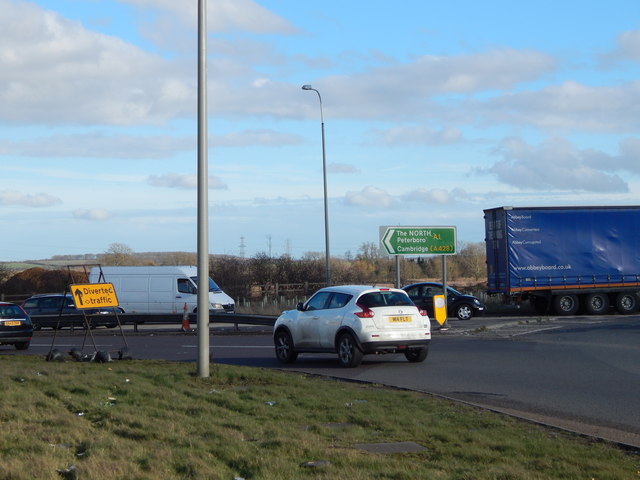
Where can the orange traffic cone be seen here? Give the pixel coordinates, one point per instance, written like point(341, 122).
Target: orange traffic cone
point(186, 327)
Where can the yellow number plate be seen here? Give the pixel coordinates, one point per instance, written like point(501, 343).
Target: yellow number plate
point(399, 319)
point(12, 323)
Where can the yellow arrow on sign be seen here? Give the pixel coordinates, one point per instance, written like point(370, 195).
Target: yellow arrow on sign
point(94, 295)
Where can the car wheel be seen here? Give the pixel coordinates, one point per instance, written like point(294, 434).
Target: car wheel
point(348, 352)
point(464, 311)
point(626, 303)
point(417, 355)
point(284, 347)
point(597, 303)
point(22, 345)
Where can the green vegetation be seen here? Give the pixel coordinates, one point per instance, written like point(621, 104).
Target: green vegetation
point(261, 276)
point(157, 420)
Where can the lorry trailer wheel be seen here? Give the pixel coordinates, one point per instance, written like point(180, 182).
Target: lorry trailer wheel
point(626, 303)
point(565, 304)
point(596, 303)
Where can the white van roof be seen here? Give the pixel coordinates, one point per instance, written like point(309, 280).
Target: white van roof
point(188, 270)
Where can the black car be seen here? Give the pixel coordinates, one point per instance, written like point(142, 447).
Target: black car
point(57, 310)
point(458, 304)
point(15, 326)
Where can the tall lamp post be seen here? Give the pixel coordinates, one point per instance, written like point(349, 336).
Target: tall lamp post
point(326, 207)
point(203, 199)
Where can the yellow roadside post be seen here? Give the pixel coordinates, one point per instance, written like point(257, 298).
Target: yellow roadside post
point(440, 310)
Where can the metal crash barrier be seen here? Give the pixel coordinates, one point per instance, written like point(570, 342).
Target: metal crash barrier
point(135, 319)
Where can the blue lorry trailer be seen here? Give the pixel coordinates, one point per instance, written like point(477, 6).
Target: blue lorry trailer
point(565, 260)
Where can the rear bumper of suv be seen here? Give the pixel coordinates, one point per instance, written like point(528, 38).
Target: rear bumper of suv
point(396, 346)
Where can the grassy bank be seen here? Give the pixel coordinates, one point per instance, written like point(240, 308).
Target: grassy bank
point(156, 420)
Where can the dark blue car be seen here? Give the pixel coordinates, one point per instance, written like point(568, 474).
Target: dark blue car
point(458, 304)
point(15, 326)
point(56, 310)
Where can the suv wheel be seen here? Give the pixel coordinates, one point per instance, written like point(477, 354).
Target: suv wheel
point(284, 347)
point(348, 352)
point(417, 355)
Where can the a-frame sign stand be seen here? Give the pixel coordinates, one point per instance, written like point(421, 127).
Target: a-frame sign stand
point(88, 297)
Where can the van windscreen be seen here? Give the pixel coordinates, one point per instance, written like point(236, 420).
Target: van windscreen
point(213, 286)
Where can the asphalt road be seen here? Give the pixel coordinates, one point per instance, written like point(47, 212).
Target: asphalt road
point(578, 373)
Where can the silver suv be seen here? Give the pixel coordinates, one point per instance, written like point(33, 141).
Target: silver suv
point(354, 320)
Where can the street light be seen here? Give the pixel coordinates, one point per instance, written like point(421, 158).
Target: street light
point(326, 207)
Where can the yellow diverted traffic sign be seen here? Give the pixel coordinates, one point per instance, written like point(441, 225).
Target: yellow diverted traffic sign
point(94, 295)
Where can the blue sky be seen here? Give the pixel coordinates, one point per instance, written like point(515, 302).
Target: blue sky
point(433, 112)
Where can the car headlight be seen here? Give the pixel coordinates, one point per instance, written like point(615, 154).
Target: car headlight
point(476, 301)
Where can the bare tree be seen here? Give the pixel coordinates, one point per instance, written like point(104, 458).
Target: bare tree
point(471, 260)
point(117, 254)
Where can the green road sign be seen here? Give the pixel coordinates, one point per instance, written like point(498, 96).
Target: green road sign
point(419, 240)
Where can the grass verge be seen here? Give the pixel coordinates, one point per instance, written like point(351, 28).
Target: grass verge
point(157, 420)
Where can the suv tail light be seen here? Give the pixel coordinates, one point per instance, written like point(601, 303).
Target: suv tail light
point(423, 312)
point(365, 313)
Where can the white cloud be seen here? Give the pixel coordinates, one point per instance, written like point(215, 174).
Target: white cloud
point(12, 197)
point(370, 197)
point(169, 24)
point(627, 48)
point(223, 15)
point(408, 90)
point(438, 196)
point(418, 135)
point(54, 71)
point(553, 165)
point(95, 214)
point(628, 158)
point(263, 137)
point(99, 145)
point(569, 106)
point(183, 181)
point(341, 168)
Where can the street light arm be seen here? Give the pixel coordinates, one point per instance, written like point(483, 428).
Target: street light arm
point(309, 87)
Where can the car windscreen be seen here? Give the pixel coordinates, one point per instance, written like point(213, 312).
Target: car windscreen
point(213, 286)
point(384, 299)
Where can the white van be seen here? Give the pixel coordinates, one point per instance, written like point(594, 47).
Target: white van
point(163, 289)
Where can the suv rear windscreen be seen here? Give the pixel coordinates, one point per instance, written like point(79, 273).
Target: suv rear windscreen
point(384, 299)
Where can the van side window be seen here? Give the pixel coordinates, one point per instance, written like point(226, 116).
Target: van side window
point(185, 286)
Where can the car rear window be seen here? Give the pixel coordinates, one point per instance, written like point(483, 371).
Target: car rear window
point(11, 311)
point(384, 299)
